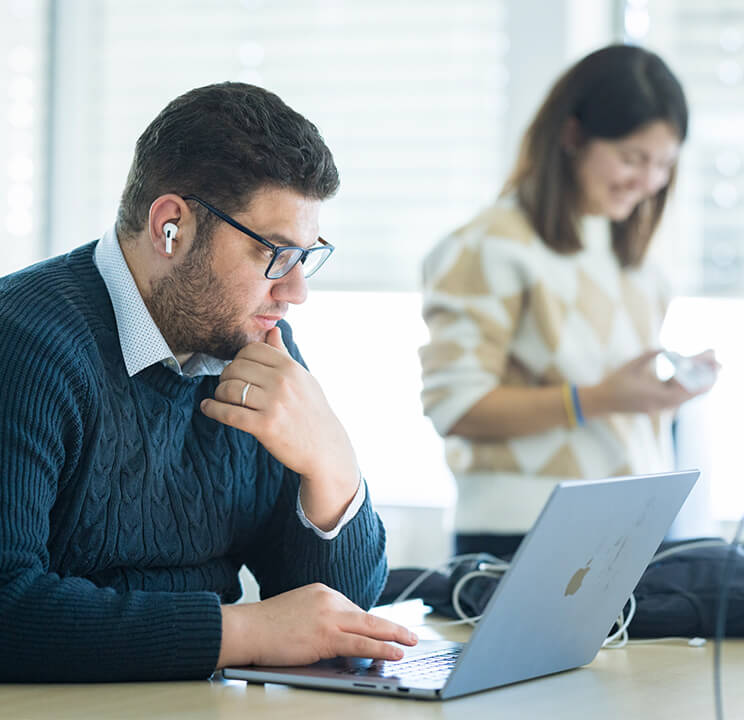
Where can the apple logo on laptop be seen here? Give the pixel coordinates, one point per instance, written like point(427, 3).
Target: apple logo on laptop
point(578, 577)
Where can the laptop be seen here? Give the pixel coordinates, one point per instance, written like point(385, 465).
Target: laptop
point(551, 611)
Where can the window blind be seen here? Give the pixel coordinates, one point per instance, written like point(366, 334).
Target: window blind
point(703, 43)
point(410, 98)
point(23, 108)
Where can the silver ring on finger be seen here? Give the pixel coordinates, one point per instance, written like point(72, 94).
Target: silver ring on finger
point(245, 393)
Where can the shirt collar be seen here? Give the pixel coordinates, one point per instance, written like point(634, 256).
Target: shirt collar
point(142, 343)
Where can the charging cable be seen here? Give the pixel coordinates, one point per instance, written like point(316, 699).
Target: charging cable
point(489, 566)
point(728, 572)
point(444, 566)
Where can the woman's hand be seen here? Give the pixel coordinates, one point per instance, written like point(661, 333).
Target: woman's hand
point(635, 388)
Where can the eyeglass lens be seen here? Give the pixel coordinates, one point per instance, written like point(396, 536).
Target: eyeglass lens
point(287, 259)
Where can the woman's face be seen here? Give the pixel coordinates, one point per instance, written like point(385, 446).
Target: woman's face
point(614, 176)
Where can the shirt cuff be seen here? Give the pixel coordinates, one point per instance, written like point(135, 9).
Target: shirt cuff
point(347, 517)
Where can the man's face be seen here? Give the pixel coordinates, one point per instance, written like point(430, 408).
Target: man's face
point(217, 299)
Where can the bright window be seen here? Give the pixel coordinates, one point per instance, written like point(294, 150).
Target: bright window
point(701, 244)
point(23, 128)
point(362, 347)
point(409, 96)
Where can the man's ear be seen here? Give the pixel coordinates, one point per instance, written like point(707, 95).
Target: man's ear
point(169, 224)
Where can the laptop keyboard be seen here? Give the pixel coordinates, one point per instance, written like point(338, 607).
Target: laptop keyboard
point(434, 667)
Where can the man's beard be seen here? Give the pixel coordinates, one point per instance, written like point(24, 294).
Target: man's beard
point(191, 309)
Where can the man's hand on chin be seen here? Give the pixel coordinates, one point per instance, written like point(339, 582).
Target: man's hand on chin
point(266, 393)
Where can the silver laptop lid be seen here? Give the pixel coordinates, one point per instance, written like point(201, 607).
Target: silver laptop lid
point(570, 579)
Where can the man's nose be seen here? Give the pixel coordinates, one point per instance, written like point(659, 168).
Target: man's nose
point(292, 288)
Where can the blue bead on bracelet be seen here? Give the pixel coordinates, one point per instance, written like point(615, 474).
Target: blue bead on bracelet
point(577, 406)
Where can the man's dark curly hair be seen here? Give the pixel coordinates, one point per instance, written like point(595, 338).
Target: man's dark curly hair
point(224, 142)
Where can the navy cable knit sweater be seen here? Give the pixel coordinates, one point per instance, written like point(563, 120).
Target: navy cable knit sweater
point(125, 513)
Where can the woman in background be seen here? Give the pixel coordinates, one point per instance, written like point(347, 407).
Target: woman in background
point(545, 319)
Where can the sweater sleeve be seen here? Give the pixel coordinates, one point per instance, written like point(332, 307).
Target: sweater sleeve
point(472, 299)
point(62, 629)
point(293, 555)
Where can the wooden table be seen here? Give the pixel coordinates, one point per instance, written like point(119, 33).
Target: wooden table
point(663, 680)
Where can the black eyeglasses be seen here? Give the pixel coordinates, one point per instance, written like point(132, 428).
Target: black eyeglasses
point(284, 257)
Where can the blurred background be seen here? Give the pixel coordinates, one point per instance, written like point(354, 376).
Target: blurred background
point(423, 104)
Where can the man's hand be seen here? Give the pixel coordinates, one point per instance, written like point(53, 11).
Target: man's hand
point(286, 410)
point(303, 626)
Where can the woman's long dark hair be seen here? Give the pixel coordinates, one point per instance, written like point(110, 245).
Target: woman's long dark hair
point(611, 93)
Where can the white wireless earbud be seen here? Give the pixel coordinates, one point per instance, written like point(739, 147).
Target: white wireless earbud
point(170, 230)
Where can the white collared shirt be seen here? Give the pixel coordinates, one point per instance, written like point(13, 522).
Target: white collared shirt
point(142, 345)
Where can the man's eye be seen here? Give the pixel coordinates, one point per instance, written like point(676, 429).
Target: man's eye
point(263, 252)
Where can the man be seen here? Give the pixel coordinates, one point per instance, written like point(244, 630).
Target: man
point(158, 427)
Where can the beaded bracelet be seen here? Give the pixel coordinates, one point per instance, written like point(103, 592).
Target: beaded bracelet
point(572, 405)
point(577, 405)
point(568, 405)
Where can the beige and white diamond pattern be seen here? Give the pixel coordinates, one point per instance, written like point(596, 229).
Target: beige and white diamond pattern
point(502, 308)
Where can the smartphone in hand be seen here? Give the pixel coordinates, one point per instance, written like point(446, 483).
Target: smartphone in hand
point(692, 373)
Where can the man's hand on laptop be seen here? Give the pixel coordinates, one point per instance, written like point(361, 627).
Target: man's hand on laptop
point(303, 626)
